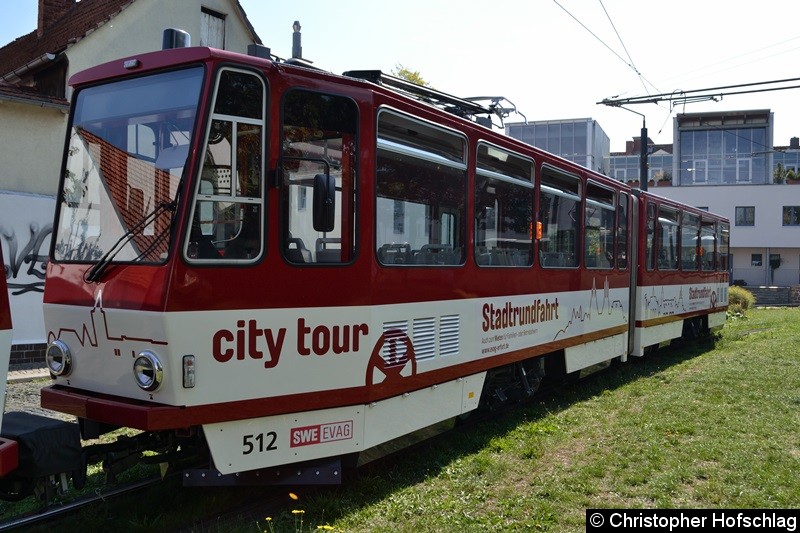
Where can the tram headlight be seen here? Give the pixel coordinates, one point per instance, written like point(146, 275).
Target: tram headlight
point(147, 371)
point(59, 358)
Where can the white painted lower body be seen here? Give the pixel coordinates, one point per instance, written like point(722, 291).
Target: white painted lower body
point(284, 439)
point(595, 352)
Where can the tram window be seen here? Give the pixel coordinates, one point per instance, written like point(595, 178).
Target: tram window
point(667, 239)
point(708, 241)
point(598, 239)
point(690, 247)
point(650, 242)
point(503, 208)
point(319, 137)
point(723, 241)
point(228, 214)
point(559, 213)
point(622, 232)
point(420, 181)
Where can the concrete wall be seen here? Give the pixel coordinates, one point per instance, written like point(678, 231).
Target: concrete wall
point(31, 141)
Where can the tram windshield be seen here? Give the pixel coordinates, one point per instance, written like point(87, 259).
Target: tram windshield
point(128, 144)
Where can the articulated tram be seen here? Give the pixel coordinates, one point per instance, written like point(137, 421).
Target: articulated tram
point(277, 271)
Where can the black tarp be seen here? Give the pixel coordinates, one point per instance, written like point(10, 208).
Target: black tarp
point(46, 445)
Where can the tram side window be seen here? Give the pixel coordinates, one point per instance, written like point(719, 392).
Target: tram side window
point(723, 241)
point(319, 147)
point(708, 244)
point(690, 248)
point(559, 213)
point(667, 239)
point(598, 243)
point(503, 208)
point(622, 232)
point(228, 214)
point(421, 186)
point(650, 244)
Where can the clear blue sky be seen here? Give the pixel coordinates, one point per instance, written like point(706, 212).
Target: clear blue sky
point(535, 52)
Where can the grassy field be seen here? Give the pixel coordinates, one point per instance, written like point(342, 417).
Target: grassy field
point(707, 426)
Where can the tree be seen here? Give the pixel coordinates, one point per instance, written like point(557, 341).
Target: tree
point(409, 75)
point(779, 175)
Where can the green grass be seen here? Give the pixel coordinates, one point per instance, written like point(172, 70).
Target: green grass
point(707, 426)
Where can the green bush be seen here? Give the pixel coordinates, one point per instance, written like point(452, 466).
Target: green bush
point(740, 300)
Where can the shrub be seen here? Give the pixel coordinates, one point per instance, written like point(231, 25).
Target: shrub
point(740, 300)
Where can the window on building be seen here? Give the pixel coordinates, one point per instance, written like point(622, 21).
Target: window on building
point(212, 28)
point(791, 215)
point(756, 260)
point(700, 171)
point(745, 216)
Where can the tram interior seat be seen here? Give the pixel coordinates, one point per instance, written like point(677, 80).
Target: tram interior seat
point(326, 253)
point(498, 256)
point(296, 251)
point(436, 254)
point(394, 253)
point(557, 259)
point(200, 245)
point(247, 244)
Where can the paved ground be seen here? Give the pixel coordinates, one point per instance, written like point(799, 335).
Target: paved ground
point(20, 373)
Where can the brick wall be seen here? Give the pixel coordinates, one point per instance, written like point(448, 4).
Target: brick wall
point(794, 295)
point(27, 354)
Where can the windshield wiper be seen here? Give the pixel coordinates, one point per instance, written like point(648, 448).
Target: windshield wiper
point(96, 271)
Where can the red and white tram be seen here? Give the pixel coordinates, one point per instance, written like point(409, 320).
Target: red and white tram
point(264, 264)
point(8, 447)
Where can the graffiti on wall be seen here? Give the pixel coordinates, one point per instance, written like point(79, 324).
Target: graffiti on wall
point(26, 227)
point(33, 254)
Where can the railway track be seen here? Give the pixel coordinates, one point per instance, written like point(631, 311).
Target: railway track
point(53, 513)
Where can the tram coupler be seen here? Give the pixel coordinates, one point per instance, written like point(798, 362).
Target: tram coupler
point(117, 462)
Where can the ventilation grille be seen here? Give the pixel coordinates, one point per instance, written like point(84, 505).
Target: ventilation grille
point(428, 341)
point(449, 335)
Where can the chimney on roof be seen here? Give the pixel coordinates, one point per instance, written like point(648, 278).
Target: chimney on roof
point(50, 11)
point(794, 143)
point(297, 48)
